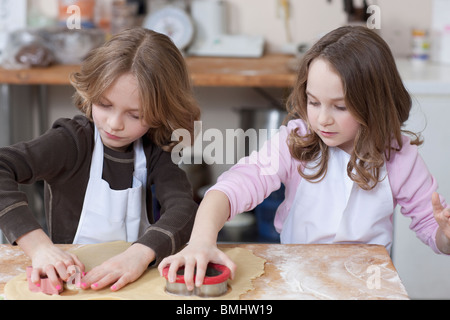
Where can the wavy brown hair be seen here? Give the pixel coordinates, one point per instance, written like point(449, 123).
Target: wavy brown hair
point(166, 96)
point(374, 95)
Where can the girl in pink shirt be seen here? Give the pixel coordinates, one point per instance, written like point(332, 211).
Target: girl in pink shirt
point(344, 160)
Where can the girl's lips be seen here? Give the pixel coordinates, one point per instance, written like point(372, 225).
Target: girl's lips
point(111, 136)
point(328, 134)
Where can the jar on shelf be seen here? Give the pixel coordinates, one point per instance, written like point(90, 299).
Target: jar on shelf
point(420, 46)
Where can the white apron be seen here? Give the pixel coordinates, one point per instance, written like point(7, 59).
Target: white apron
point(336, 210)
point(113, 215)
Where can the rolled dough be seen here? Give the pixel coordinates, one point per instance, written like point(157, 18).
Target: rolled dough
point(149, 286)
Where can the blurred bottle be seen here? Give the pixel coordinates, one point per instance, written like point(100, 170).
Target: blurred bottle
point(420, 46)
point(114, 16)
point(123, 15)
point(103, 15)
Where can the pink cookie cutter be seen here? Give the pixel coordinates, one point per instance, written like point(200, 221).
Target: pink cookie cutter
point(45, 285)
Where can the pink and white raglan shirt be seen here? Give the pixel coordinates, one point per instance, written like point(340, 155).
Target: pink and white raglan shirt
point(334, 210)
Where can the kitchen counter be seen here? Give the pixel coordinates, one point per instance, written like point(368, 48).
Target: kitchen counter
point(429, 79)
point(271, 70)
point(344, 271)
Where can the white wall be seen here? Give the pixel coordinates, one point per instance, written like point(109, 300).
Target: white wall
point(311, 18)
point(424, 273)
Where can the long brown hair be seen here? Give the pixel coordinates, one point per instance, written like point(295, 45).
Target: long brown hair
point(167, 101)
point(374, 95)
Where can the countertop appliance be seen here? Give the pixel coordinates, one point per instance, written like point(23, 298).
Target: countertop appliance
point(211, 39)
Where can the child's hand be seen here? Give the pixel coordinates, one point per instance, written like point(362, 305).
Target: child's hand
point(195, 256)
point(442, 216)
point(53, 262)
point(120, 270)
point(47, 259)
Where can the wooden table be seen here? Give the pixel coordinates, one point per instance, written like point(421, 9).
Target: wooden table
point(292, 271)
point(272, 70)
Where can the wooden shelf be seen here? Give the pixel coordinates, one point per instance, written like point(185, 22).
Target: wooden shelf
point(54, 75)
point(269, 71)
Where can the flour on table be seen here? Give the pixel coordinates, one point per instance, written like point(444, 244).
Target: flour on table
point(311, 274)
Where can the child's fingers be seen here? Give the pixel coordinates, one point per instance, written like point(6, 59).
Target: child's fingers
point(164, 263)
point(78, 262)
point(436, 203)
point(189, 269)
point(61, 270)
point(201, 272)
point(232, 266)
point(98, 278)
point(122, 282)
point(440, 213)
point(446, 214)
point(36, 276)
point(104, 281)
point(52, 275)
point(90, 278)
point(172, 273)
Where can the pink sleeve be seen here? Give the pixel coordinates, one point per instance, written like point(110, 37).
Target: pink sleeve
point(412, 186)
point(254, 178)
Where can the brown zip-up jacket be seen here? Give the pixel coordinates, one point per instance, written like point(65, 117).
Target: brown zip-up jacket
point(62, 157)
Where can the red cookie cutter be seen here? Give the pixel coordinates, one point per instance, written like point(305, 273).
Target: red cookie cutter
point(214, 283)
point(45, 285)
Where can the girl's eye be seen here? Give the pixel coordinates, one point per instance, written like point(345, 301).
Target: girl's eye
point(313, 103)
point(104, 105)
point(341, 108)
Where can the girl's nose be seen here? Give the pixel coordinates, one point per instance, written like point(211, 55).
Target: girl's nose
point(325, 118)
point(115, 122)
